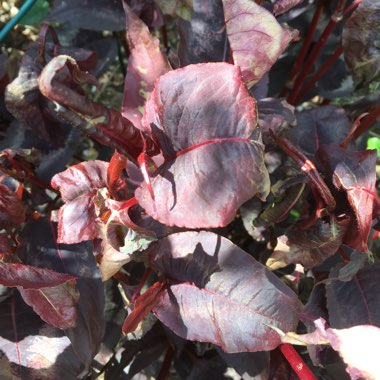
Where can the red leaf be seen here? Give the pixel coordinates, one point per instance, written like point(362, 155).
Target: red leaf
point(146, 63)
point(143, 306)
point(11, 208)
point(220, 294)
point(255, 36)
point(31, 278)
point(78, 185)
point(354, 172)
point(203, 126)
point(115, 182)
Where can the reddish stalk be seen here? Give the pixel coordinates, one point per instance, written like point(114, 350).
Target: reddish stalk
point(369, 120)
point(136, 293)
point(167, 363)
point(295, 361)
point(306, 44)
point(354, 127)
point(335, 18)
point(343, 255)
point(318, 75)
point(14, 324)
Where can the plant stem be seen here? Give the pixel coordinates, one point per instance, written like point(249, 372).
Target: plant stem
point(165, 368)
point(335, 18)
point(306, 44)
point(319, 74)
point(15, 20)
point(136, 293)
point(369, 120)
point(295, 361)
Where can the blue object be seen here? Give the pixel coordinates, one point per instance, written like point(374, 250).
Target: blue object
point(15, 20)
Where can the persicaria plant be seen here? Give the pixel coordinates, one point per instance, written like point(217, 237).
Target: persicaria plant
point(221, 220)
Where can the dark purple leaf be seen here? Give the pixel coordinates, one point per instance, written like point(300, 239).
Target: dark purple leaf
point(55, 305)
point(11, 208)
point(203, 126)
point(355, 302)
point(354, 172)
point(31, 278)
point(283, 6)
point(203, 37)
point(322, 125)
point(308, 247)
point(78, 185)
point(360, 43)
point(146, 63)
point(275, 114)
point(255, 36)
point(89, 14)
point(30, 348)
point(77, 260)
point(220, 294)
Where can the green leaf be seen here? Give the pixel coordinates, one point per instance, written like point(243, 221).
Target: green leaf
point(36, 13)
point(374, 143)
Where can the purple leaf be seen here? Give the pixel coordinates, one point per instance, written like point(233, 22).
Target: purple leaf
point(308, 247)
point(11, 208)
point(89, 14)
point(203, 126)
point(354, 172)
point(220, 294)
point(78, 185)
point(203, 37)
point(255, 36)
point(354, 302)
point(283, 6)
point(360, 43)
point(30, 348)
point(31, 278)
point(55, 305)
point(146, 63)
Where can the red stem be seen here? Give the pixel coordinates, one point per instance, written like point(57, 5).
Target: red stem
point(318, 75)
point(306, 44)
point(368, 122)
point(295, 361)
point(165, 368)
point(335, 18)
point(136, 293)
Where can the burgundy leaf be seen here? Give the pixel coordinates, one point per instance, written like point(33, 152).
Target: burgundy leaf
point(354, 302)
point(354, 172)
point(11, 208)
point(78, 185)
point(31, 278)
point(143, 306)
point(360, 43)
point(203, 126)
point(55, 305)
point(80, 179)
point(220, 294)
point(283, 6)
point(310, 247)
point(89, 14)
point(30, 348)
point(255, 36)
point(322, 125)
point(146, 63)
point(203, 37)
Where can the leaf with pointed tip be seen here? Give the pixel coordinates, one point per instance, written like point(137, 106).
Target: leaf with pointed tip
point(146, 63)
point(203, 37)
point(310, 247)
point(355, 173)
point(354, 302)
point(255, 36)
point(361, 43)
point(283, 6)
point(78, 185)
point(11, 208)
point(203, 126)
point(218, 293)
